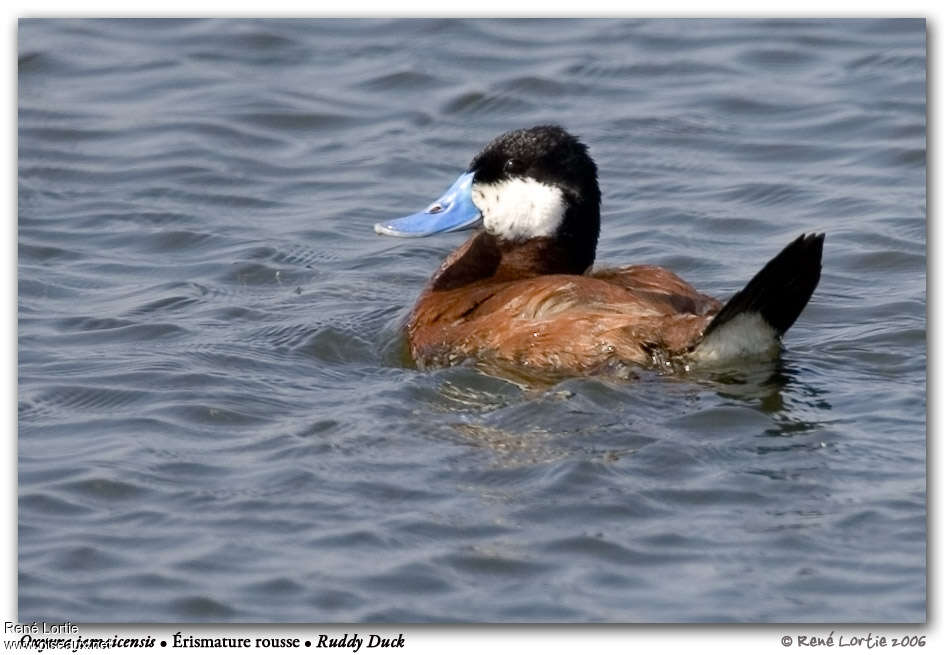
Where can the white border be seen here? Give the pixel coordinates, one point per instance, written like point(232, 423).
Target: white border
point(439, 639)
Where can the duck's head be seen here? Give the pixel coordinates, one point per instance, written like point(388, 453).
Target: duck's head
point(536, 183)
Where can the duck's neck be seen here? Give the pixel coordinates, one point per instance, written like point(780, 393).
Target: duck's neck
point(486, 257)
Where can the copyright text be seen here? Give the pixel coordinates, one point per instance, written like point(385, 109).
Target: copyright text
point(868, 641)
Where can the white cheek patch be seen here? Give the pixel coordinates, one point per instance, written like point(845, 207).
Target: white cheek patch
point(519, 209)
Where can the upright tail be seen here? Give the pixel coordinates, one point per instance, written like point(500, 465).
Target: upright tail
point(769, 304)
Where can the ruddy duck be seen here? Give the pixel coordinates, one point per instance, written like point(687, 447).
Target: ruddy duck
point(521, 291)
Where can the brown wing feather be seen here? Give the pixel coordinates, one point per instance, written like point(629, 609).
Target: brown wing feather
point(662, 286)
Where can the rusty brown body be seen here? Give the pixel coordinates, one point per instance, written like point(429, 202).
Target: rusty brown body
point(495, 300)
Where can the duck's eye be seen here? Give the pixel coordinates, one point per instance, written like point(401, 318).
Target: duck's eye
point(512, 166)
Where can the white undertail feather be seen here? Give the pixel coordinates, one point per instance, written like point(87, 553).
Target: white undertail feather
point(519, 208)
point(745, 335)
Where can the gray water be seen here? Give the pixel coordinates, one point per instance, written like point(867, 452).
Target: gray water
point(217, 420)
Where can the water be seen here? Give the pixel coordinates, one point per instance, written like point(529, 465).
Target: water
point(217, 421)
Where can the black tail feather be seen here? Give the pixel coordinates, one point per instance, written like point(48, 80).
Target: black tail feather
point(781, 289)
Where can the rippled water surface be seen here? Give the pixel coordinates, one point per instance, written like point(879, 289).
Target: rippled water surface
point(217, 421)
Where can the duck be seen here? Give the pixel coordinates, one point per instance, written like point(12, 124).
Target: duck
point(522, 291)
